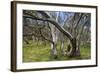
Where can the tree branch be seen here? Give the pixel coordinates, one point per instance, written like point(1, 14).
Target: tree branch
point(78, 20)
point(78, 37)
point(52, 21)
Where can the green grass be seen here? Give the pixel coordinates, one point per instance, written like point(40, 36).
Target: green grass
point(34, 52)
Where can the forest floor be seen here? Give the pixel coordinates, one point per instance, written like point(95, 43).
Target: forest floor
point(37, 52)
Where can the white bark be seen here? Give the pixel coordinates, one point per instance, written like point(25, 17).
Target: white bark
point(62, 48)
point(54, 33)
point(53, 49)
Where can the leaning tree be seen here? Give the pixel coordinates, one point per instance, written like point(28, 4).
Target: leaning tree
point(74, 28)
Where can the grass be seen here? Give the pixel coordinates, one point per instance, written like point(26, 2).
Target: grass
point(34, 52)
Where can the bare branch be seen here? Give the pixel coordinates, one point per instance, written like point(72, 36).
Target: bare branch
point(52, 21)
point(78, 21)
point(82, 27)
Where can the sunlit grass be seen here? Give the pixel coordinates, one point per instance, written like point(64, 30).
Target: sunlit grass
point(36, 52)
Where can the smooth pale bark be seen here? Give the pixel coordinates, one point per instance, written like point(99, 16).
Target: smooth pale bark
point(54, 34)
point(62, 48)
point(54, 50)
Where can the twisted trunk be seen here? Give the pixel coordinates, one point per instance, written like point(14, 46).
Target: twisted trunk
point(75, 48)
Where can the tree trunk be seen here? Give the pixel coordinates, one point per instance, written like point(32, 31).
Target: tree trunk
point(54, 50)
point(75, 48)
point(78, 48)
point(63, 49)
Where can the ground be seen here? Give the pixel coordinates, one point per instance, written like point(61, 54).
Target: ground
point(37, 52)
